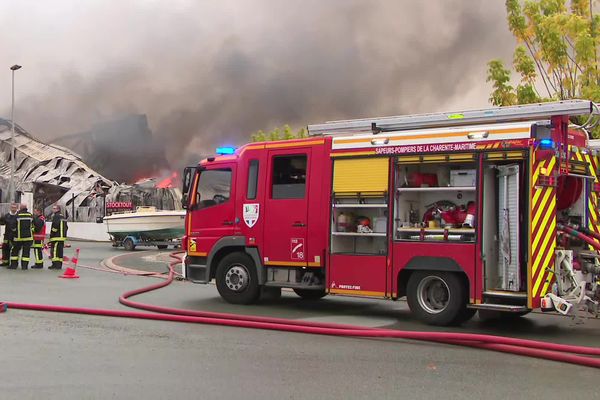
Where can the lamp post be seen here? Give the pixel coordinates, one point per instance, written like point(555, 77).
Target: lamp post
point(11, 185)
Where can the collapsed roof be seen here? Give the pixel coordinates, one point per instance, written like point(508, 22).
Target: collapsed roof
point(55, 174)
point(40, 163)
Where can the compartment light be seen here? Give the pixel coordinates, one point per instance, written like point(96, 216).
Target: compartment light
point(223, 151)
point(478, 135)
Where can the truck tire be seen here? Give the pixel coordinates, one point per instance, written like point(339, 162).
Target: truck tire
point(310, 294)
point(437, 298)
point(465, 315)
point(128, 244)
point(237, 281)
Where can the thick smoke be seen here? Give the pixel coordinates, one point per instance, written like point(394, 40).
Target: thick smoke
point(210, 73)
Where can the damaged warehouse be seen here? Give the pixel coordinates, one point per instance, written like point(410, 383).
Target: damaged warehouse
point(47, 173)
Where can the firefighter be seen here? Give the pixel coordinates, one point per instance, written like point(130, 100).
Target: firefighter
point(58, 235)
point(7, 220)
point(39, 234)
point(22, 228)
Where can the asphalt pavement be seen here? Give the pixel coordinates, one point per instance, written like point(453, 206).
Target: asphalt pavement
point(67, 356)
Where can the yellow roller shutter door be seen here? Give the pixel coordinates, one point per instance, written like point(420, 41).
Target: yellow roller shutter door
point(361, 175)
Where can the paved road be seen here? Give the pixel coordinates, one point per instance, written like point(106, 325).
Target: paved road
point(61, 356)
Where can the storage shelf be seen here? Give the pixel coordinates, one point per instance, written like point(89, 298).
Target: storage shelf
point(374, 234)
point(437, 230)
point(345, 205)
point(438, 189)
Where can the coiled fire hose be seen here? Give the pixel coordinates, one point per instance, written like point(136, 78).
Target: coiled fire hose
point(531, 348)
point(581, 236)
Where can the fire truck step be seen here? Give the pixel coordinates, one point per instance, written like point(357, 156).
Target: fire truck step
point(294, 285)
point(499, 307)
point(505, 294)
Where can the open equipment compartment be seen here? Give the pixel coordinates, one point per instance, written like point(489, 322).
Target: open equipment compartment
point(504, 227)
point(436, 198)
point(359, 206)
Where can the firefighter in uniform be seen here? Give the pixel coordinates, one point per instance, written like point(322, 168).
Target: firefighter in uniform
point(39, 234)
point(7, 220)
point(58, 235)
point(22, 229)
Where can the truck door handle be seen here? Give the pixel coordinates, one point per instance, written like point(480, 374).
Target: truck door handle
point(226, 222)
point(298, 224)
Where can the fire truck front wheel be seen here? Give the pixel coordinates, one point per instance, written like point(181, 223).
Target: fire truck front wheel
point(237, 281)
point(436, 298)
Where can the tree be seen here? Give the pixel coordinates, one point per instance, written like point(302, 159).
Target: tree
point(557, 55)
point(283, 133)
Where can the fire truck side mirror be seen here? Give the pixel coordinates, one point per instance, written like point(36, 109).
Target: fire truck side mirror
point(187, 183)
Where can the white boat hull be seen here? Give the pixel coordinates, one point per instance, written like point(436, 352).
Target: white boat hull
point(157, 225)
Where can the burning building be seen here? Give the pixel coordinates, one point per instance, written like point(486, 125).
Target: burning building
point(49, 173)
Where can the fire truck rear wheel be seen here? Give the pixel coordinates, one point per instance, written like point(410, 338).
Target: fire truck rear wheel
point(236, 278)
point(309, 294)
point(436, 298)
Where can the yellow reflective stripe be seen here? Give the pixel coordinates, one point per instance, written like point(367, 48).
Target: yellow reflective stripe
point(540, 276)
point(540, 211)
point(547, 284)
point(548, 234)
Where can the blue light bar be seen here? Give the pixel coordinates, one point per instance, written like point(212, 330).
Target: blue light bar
point(546, 143)
point(223, 151)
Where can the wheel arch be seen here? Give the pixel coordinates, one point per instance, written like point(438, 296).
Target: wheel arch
point(233, 244)
point(428, 263)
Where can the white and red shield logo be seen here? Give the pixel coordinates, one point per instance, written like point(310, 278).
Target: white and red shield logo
point(250, 214)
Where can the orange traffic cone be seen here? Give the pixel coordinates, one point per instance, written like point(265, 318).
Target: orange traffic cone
point(71, 271)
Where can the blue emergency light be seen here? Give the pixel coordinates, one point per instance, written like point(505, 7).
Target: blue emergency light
point(224, 151)
point(546, 143)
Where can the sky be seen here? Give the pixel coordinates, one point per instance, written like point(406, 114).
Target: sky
point(210, 73)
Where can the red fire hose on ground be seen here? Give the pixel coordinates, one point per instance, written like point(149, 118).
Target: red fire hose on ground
point(550, 351)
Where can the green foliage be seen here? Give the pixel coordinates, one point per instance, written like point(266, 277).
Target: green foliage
point(557, 55)
point(503, 94)
point(283, 133)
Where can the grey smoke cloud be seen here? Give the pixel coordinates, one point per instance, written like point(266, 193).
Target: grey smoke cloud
point(210, 73)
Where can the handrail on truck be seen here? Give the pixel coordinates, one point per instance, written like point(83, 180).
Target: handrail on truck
point(445, 119)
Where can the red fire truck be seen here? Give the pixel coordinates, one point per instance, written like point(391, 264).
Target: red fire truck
point(493, 209)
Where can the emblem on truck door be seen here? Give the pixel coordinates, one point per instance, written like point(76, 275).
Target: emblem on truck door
point(251, 214)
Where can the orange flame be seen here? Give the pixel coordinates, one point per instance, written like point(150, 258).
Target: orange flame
point(167, 183)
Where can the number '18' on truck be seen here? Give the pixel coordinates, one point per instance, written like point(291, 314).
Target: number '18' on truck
point(493, 209)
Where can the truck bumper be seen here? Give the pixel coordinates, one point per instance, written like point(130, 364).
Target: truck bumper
point(196, 273)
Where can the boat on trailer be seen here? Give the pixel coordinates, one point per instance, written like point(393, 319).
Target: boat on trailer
point(146, 226)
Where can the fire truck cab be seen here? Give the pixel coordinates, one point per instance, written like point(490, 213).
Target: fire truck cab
point(493, 209)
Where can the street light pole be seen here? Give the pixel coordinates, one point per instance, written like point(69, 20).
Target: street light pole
point(11, 185)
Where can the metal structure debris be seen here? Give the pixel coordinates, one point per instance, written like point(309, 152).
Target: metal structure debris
point(51, 174)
